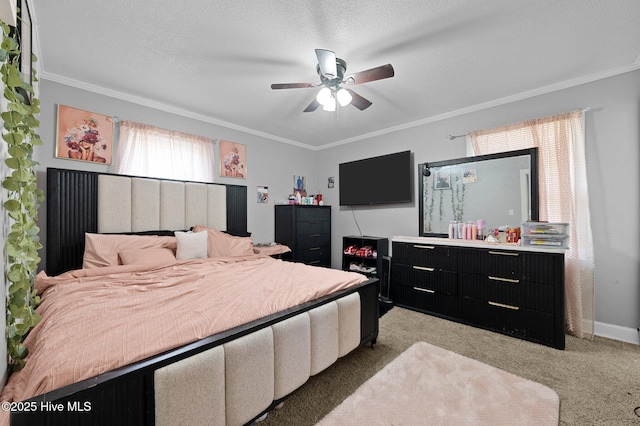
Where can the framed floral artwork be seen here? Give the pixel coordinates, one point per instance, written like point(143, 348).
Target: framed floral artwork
point(233, 160)
point(83, 135)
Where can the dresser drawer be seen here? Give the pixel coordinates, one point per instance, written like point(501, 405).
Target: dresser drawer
point(316, 256)
point(515, 293)
point(313, 214)
point(312, 228)
point(498, 263)
point(313, 240)
point(494, 290)
point(427, 255)
point(426, 278)
point(545, 268)
point(417, 298)
point(524, 323)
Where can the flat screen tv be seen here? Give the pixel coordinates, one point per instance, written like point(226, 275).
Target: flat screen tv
point(386, 179)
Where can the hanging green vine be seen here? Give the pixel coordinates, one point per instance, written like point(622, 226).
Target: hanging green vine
point(428, 211)
point(457, 199)
point(23, 198)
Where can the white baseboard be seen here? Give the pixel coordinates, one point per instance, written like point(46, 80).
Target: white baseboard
point(616, 332)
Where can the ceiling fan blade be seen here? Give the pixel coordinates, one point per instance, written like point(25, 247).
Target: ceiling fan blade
point(358, 101)
point(292, 85)
point(373, 74)
point(312, 106)
point(327, 62)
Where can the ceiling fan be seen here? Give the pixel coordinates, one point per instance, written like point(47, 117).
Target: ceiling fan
point(332, 79)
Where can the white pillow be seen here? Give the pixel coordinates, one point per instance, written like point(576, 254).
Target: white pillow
point(191, 245)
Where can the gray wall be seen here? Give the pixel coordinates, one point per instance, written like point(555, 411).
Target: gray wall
point(612, 137)
point(269, 163)
point(612, 146)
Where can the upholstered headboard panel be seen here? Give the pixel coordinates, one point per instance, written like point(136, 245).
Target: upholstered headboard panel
point(127, 204)
point(79, 202)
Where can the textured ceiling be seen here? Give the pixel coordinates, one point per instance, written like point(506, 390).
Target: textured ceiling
point(215, 60)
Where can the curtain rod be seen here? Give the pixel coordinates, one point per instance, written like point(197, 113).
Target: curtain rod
point(452, 137)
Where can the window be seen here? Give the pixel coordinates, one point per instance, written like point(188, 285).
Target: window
point(145, 150)
point(563, 197)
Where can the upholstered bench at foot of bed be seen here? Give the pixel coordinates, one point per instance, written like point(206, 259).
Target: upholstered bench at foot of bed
point(234, 383)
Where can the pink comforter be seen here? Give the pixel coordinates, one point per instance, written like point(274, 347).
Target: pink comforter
point(96, 320)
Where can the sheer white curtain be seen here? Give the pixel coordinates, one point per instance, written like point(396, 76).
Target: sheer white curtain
point(564, 197)
point(145, 150)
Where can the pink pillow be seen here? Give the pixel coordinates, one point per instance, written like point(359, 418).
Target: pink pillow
point(220, 244)
point(102, 249)
point(148, 256)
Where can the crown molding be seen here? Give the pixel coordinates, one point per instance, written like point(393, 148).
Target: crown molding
point(456, 113)
point(494, 103)
point(165, 107)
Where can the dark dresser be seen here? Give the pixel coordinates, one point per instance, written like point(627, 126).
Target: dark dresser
point(307, 232)
point(508, 289)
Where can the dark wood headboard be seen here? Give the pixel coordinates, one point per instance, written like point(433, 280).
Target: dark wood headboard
point(72, 210)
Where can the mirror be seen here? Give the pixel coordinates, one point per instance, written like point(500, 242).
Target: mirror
point(500, 188)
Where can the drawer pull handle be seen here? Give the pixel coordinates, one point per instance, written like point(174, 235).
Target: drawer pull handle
point(507, 280)
point(424, 290)
point(504, 253)
point(314, 248)
point(313, 262)
point(314, 235)
point(424, 247)
point(424, 268)
point(502, 305)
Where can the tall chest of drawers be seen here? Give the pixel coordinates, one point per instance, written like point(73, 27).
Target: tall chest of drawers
point(307, 231)
point(509, 290)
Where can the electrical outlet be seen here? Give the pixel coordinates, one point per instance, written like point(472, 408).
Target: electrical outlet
point(510, 212)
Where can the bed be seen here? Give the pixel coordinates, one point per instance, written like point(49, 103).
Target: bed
point(239, 353)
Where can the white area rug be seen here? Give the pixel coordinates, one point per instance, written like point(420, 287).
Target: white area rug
point(428, 385)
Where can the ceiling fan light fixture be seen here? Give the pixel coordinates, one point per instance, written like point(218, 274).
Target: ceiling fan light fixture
point(331, 71)
point(344, 97)
point(324, 96)
point(330, 105)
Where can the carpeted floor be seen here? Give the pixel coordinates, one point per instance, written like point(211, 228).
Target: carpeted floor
point(598, 381)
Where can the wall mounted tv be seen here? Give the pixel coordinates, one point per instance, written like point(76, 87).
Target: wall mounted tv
point(386, 179)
